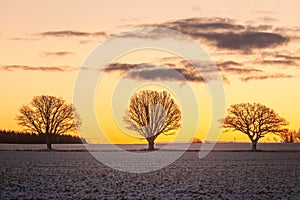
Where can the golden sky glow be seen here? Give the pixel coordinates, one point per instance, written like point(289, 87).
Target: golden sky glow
point(43, 44)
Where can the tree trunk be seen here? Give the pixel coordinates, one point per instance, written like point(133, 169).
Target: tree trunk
point(254, 144)
point(48, 142)
point(291, 138)
point(151, 143)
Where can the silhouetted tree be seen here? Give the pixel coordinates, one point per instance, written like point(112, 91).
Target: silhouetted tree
point(255, 120)
point(48, 116)
point(14, 137)
point(152, 113)
point(196, 140)
point(289, 136)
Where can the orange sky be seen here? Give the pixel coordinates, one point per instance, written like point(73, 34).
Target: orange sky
point(44, 43)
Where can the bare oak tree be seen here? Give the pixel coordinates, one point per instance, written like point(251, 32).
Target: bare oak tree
point(255, 120)
point(152, 113)
point(49, 116)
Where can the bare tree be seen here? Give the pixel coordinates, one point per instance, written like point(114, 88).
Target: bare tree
point(152, 113)
point(49, 116)
point(290, 136)
point(255, 120)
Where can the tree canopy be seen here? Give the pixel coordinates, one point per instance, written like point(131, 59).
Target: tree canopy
point(152, 113)
point(255, 120)
point(49, 116)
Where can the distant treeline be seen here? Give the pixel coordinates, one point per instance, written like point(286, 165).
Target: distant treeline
point(14, 137)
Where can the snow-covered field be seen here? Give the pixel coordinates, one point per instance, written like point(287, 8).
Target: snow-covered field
point(220, 175)
point(172, 146)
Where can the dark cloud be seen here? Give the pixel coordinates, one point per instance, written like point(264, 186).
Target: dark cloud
point(268, 76)
point(165, 72)
point(245, 41)
point(151, 33)
point(176, 69)
point(223, 33)
point(38, 68)
point(203, 24)
point(58, 53)
point(71, 33)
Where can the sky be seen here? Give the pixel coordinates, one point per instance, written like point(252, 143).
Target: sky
point(254, 44)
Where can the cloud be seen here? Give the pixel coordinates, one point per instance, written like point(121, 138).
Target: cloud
point(165, 72)
point(259, 28)
point(124, 67)
point(62, 34)
point(71, 33)
point(268, 76)
point(203, 24)
point(278, 58)
point(288, 57)
point(225, 64)
point(57, 53)
point(23, 39)
point(267, 19)
point(231, 67)
point(38, 68)
point(236, 68)
point(238, 71)
point(245, 41)
point(279, 62)
point(184, 71)
point(223, 33)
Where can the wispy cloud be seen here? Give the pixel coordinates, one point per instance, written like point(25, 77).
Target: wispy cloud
point(288, 57)
point(225, 64)
point(284, 59)
point(62, 34)
point(267, 76)
point(263, 27)
point(23, 39)
point(57, 53)
point(72, 33)
point(278, 62)
point(267, 19)
point(232, 67)
point(65, 68)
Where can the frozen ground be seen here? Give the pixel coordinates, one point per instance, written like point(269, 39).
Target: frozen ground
point(220, 175)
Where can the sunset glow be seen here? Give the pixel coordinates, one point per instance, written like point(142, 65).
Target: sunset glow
point(254, 44)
